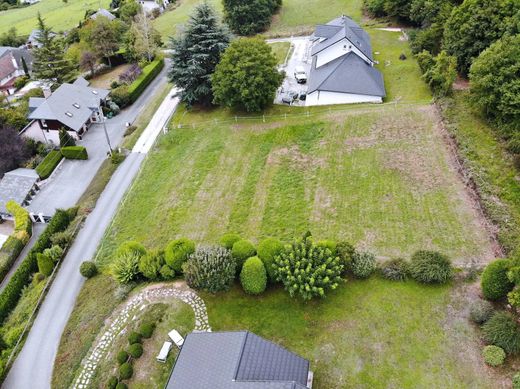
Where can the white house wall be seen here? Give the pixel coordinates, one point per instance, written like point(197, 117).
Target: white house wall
point(336, 50)
point(34, 131)
point(330, 98)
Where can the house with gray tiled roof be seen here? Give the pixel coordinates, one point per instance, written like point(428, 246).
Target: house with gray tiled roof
point(73, 107)
point(103, 13)
point(237, 360)
point(11, 67)
point(342, 69)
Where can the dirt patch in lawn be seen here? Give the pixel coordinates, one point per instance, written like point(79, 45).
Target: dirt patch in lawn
point(296, 157)
point(105, 79)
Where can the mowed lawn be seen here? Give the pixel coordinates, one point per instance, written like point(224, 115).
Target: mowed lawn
point(60, 16)
point(367, 334)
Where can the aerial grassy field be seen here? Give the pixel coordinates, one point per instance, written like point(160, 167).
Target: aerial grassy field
point(280, 50)
point(60, 16)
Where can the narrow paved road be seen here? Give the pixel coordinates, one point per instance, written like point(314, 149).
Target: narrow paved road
point(33, 367)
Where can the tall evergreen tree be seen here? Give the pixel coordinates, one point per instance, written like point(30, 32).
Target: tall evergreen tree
point(49, 61)
point(197, 53)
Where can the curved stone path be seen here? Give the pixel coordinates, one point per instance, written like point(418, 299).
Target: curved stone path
point(128, 313)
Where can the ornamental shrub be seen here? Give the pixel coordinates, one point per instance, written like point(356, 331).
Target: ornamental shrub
point(307, 270)
point(493, 355)
point(268, 249)
point(253, 276)
point(74, 152)
point(130, 247)
point(480, 311)
point(146, 330)
point(494, 282)
point(122, 357)
point(135, 350)
point(37, 278)
point(395, 269)
point(112, 382)
point(61, 239)
point(122, 385)
point(45, 264)
point(345, 251)
point(210, 268)
point(54, 253)
point(125, 371)
point(125, 268)
point(430, 267)
point(88, 269)
point(363, 264)
point(177, 252)
point(134, 337)
point(167, 273)
point(502, 330)
point(151, 263)
point(328, 244)
point(242, 250)
point(229, 239)
point(516, 381)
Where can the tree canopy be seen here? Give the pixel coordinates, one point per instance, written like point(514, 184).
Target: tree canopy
point(247, 77)
point(248, 17)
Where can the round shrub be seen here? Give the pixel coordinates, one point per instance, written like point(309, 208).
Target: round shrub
point(112, 382)
point(211, 268)
point(328, 244)
point(146, 330)
point(122, 385)
point(151, 263)
point(242, 250)
point(267, 250)
point(363, 264)
point(45, 264)
point(126, 371)
point(494, 282)
point(430, 267)
point(253, 276)
point(395, 269)
point(480, 311)
point(177, 252)
point(135, 350)
point(229, 239)
point(167, 273)
point(134, 337)
point(516, 381)
point(130, 247)
point(345, 251)
point(502, 330)
point(122, 357)
point(88, 269)
point(493, 355)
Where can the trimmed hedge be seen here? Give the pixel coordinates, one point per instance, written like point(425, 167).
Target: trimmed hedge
point(10, 250)
point(74, 152)
point(150, 71)
point(253, 276)
point(49, 163)
point(22, 220)
point(494, 282)
point(11, 294)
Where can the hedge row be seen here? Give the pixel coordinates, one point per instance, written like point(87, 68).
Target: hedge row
point(22, 220)
point(74, 152)
point(49, 163)
point(11, 294)
point(10, 250)
point(150, 71)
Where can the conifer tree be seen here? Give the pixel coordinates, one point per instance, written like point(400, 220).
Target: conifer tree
point(197, 53)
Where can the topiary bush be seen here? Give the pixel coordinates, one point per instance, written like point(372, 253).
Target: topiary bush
point(493, 355)
point(502, 330)
point(88, 269)
point(430, 267)
point(363, 264)
point(112, 382)
point(229, 239)
point(45, 264)
point(151, 263)
point(516, 381)
point(134, 337)
point(268, 249)
point(126, 371)
point(177, 252)
point(480, 311)
point(395, 269)
point(494, 282)
point(74, 152)
point(253, 276)
point(122, 357)
point(167, 273)
point(146, 330)
point(307, 270)
point(210, 268)
point(135, 350)
point(242, 250)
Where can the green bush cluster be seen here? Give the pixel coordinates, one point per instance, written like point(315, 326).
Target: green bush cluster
point(253, 276)
point(45, 264)
point(9, 251)
point(229, 239)
point(480, 311)
point(135, 350)
point(122, 357)
point(177, 252)
point(242, 250)
point(122, 385)
point(430, 267)
point(151, 263)
point(516, 381)
point(125, 267)
point(248, 17)
point(134, 337)
point(48, 164)
point(146, 330)
point(74, 152)
point(395, 269)
point(363, 264)
point(210, 268)
point(503, 331)
point(345, 252)
point(268, 249)
point(112, 382)
point(126, 371)
point(493, 355)
point(495, 283)
point(22, 220)
point(88, 269)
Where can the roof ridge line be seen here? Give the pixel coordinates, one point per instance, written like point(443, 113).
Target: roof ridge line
point(335, 68)
point(242, 347)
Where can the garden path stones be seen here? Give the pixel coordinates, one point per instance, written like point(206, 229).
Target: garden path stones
point(117, 325)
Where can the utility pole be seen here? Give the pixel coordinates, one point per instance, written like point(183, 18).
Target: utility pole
point(106, 132)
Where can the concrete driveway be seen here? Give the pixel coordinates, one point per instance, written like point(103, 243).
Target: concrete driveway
point(70, 180)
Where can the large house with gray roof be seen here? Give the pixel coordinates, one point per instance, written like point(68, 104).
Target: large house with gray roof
point(342, 69)
point(73, 107)
point(237, 360)
point(12, 67)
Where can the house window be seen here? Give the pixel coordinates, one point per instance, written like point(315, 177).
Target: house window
point(68, 114)
point(76, 105)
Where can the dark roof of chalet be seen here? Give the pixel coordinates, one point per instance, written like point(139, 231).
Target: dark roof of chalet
point(347, 74)
point(70, 104)
point(103, 12)
point(17, 54)
point(236, 360)
point(338, 29)
point(16, 185)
